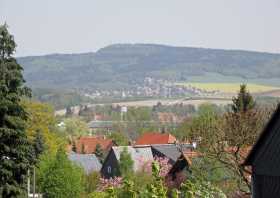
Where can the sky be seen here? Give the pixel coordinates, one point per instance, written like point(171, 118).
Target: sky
point(72, 26)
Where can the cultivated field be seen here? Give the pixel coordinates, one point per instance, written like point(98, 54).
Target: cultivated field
point(230, 87)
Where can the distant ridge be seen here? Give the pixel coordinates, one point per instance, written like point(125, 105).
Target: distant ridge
point(121, 66)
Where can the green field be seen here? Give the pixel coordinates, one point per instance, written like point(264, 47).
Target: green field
point(230, 87)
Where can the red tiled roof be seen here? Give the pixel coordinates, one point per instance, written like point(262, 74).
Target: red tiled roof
point(155, 138)
point(91, 142)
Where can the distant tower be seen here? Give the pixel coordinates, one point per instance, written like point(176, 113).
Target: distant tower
point(123, 111)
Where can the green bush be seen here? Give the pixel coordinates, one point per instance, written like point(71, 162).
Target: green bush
point(92, 181)
point(61, 178)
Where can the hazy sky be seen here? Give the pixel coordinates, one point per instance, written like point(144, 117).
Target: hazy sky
point(70, 26)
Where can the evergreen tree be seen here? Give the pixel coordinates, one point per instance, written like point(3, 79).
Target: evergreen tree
point(15, 150)
point(99, 153)
point(39, 144)
point(244, 101)
point(126, 163)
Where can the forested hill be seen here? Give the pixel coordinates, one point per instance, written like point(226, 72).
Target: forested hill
point(124, 65)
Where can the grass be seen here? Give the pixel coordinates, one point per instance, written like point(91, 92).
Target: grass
point(230, 87)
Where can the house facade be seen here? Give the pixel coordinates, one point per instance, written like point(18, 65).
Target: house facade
point(139, 155)
point(180, 170)
point(264, 160)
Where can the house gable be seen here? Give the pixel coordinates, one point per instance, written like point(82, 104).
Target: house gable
point(139, 155)
point(265, 155)
point(110, 167)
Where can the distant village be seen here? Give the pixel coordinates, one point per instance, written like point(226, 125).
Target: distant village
point(152, 87)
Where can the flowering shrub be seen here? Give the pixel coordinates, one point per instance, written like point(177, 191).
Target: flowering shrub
point(115, 182)
point(125, 188)
point(163, 163)
point(198, 188)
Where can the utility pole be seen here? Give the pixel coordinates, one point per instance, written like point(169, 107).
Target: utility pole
point(28, 183)
point(34, 177)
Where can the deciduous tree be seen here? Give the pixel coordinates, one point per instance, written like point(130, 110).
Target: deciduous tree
point(227, 138)
point(41, 120)
point(62, 178)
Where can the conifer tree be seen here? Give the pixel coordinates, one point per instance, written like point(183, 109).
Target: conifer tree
point(244, 101)
point(99, 153)
point(126, 163)
point(39, 144)
point(15, 150)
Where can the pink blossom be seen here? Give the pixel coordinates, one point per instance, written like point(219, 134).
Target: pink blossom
point(163, 162)
point(115, 182)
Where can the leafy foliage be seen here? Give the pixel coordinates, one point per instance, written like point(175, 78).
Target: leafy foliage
point(126, 163)
point(92, 181)
point(41, 120)
point(62, 178)
point(119, 138)
point(155, 186)
point(74, 128)
point(59, 98)
point(99, 153)
point(197, 188)
point(39, 144)
point(157, 189)
point(226, 138)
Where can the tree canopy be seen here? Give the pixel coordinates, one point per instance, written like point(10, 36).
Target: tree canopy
point(61, 178)
point(244, 100)
point(41, 119)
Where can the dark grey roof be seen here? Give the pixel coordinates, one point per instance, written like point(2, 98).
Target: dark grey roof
point(171, 151)
point(89, 162)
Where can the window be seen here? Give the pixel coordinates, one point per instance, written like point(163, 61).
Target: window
point(109, 169)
